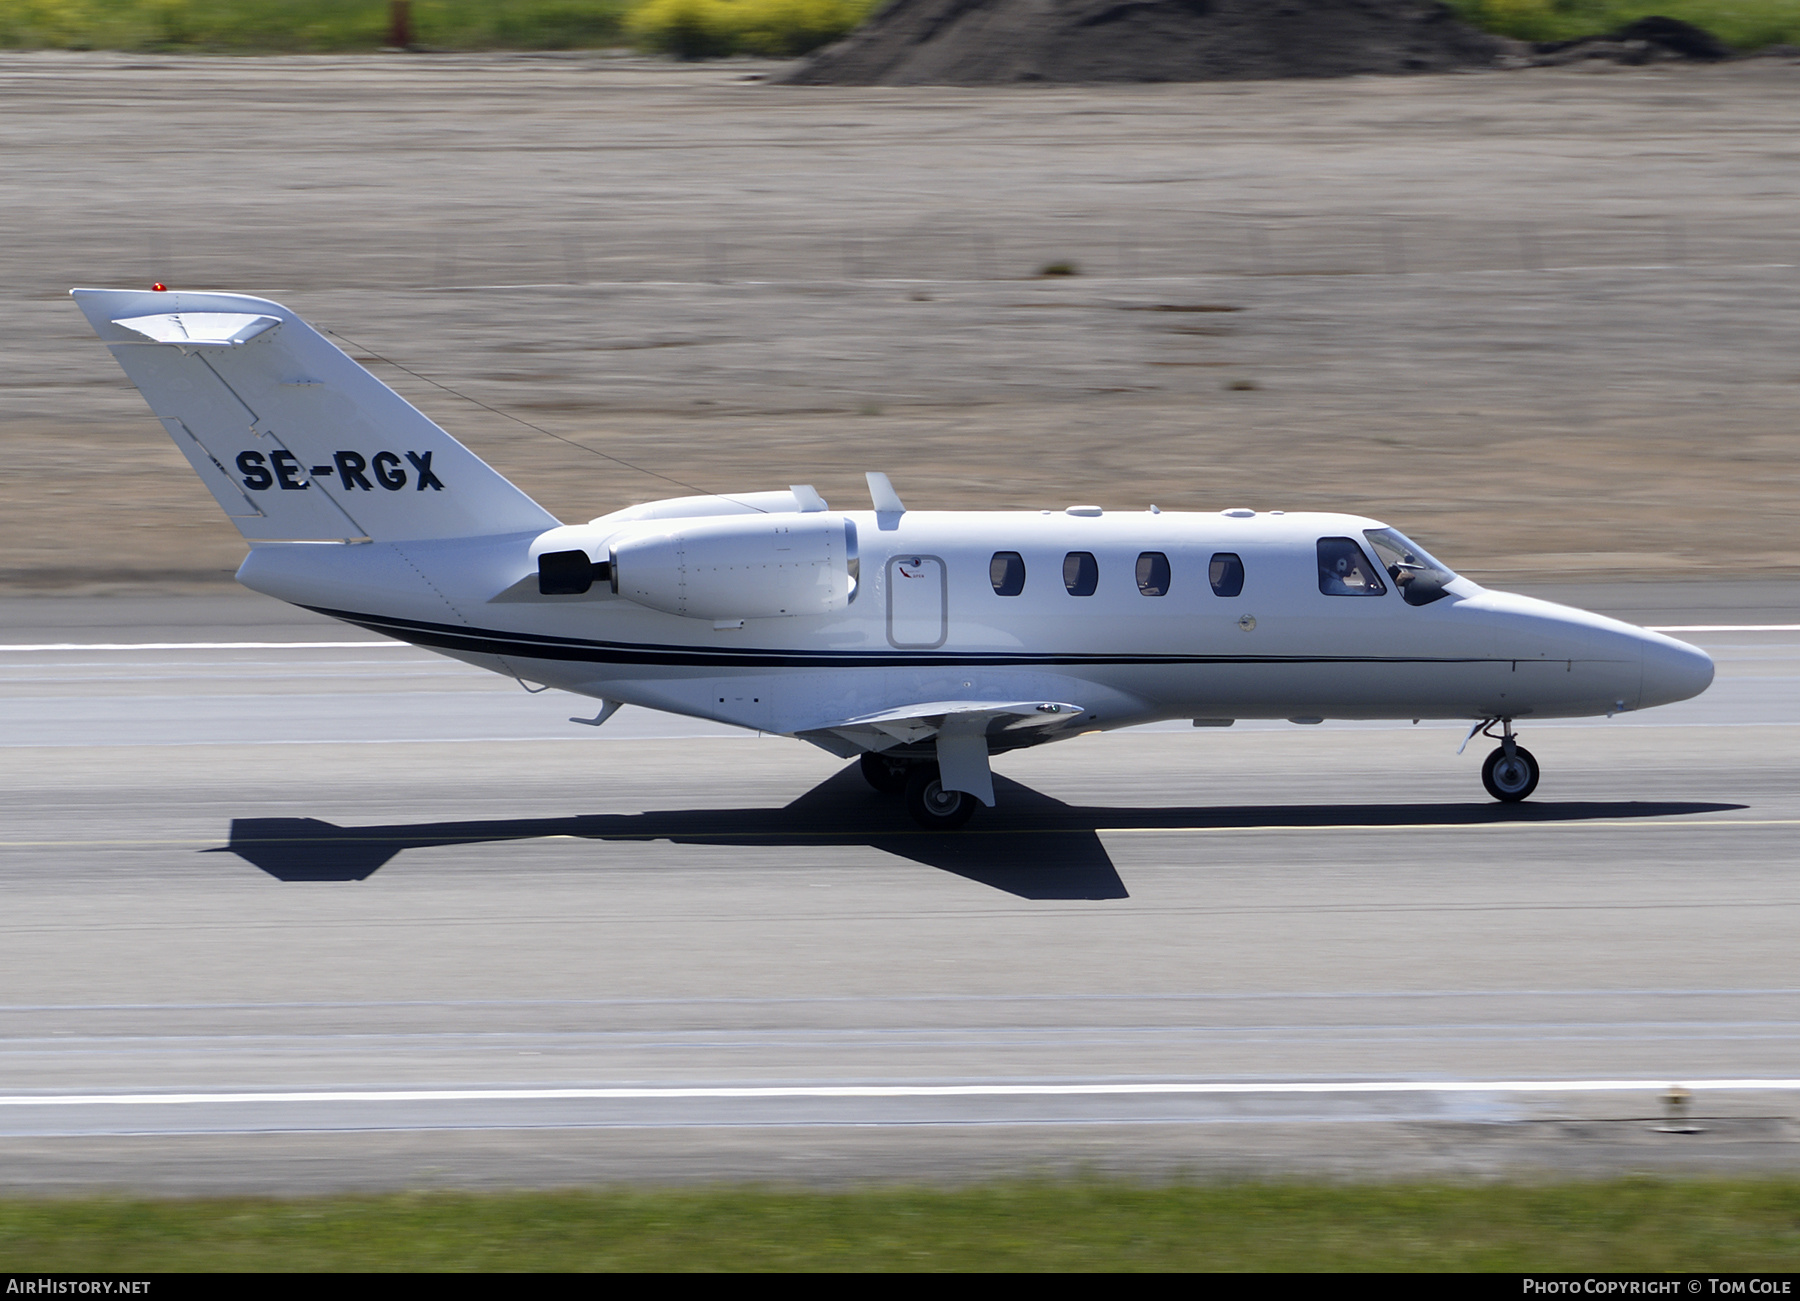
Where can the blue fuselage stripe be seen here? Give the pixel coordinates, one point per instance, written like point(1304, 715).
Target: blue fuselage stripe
point(485, 641)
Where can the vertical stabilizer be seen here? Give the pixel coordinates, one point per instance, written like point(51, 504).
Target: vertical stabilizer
point(293, 438)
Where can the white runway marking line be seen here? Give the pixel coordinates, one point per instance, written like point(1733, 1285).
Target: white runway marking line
point(1725, 627)
point(199, 645)
point(777, 1092)
point(1590, 824)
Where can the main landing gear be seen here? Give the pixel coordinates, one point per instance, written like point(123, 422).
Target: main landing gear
point(931, 806)
point(1511, 771)
point(886, 775)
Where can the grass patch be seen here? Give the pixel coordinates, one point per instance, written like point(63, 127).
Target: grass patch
point(305, 26)
point(1741, 24)
point(686, 28)
point(708, 29)
point(1631, 1224)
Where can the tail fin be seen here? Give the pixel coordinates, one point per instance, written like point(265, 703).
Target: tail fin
point(294, 439)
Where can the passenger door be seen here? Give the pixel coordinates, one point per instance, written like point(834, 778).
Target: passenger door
point(917, 593)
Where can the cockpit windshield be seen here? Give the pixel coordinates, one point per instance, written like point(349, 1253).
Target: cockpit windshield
point(1419, 577)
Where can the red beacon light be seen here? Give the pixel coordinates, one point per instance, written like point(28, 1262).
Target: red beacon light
point(160, 287)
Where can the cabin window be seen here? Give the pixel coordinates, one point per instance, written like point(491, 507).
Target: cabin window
point(1006, 571)
point(1153, 574)
point(1345, 571)
point(1227, 574)
point(1081, 573)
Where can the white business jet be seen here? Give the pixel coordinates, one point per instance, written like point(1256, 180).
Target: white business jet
point(924, 642)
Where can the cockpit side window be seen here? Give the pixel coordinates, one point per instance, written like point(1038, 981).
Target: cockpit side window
point(1345, 571)
point(1006, 571)
point(1227, 574)
point(1419, 577)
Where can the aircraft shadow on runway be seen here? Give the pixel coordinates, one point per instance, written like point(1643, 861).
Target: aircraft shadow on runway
point(1031, 845)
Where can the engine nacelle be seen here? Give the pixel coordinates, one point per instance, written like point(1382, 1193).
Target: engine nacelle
point(739, 567)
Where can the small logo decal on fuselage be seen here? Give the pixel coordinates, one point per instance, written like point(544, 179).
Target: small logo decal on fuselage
point(282, 469)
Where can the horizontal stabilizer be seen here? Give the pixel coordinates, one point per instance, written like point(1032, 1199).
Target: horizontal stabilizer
point(199, 329)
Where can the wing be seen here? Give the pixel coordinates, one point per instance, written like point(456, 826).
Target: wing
point(914, 724)
point(961, 729)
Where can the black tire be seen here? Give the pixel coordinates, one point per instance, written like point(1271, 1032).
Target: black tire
point(933, 807)
point(886, 775)
point(1510, 780)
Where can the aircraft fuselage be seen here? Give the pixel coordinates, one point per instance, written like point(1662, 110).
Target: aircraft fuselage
point(927, 621)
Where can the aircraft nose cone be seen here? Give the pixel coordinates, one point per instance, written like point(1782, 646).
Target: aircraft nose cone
point(1673, 671)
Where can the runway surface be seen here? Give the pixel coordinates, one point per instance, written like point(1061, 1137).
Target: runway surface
point(292, 908)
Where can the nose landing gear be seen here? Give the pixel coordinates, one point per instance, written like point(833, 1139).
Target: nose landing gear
point(1511, 771)
point(1510, 777)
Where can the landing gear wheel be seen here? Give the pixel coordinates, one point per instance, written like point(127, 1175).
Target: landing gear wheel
point(1510, 777)
point(933, 807)
point(886, 775)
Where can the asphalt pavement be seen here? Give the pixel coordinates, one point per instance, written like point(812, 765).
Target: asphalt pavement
point(292, 908)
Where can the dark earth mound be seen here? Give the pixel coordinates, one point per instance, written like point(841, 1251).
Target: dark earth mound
point(1648, 40)
point(1002, 42)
